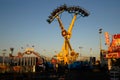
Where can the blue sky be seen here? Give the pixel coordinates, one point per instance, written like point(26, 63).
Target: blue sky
point(23, 22)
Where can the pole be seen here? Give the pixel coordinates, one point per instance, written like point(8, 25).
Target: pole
point(100, 32)
point(3, 58)
point(90, 52)
point(80, 51)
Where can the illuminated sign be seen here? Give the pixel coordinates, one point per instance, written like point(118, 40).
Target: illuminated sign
point(54, 61)
point(107, 39)
point(113, 55)
point(116, 36)
point(115, 41)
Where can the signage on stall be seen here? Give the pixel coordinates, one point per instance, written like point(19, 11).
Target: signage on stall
point(107, 39)
point(113, 55)
point(116, 36)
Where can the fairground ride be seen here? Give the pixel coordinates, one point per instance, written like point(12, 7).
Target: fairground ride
point(25, 61)
point(67, 54)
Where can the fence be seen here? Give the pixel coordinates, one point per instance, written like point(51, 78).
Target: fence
point(114, 75)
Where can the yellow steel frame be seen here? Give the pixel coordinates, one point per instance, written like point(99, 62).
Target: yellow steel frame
point(67, 54)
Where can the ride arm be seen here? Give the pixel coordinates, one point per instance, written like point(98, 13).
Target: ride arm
point(60, 23)
point(64, 32)
point(71, 26)
point(68, 43)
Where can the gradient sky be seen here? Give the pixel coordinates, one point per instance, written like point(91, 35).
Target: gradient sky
point(23, 23)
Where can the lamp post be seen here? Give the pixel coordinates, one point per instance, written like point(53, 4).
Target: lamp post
point(80, 51)
point(11, 52)
point(4, 52)
point(90, 52)
point(100, 32)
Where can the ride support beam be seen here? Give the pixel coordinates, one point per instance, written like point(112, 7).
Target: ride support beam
point(60, 23)
point(71, 26)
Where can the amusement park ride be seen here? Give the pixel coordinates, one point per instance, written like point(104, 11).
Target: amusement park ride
point(27, 51)
point(67, 54)
point(24, 59)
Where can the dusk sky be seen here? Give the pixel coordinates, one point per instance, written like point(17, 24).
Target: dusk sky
point(23, 24)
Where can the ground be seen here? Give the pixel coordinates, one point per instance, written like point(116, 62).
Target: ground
point(61, 75)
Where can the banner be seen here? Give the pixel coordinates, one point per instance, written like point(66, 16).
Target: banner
point(107, 39)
